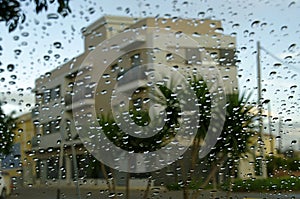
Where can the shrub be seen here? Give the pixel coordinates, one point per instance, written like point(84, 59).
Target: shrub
point(268, 184)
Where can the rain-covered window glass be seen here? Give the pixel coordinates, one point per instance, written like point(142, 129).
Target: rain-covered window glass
point(149, 99)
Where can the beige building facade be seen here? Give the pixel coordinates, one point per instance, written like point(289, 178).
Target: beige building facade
point(20, 164)
point(56, 92)
point(249, 166)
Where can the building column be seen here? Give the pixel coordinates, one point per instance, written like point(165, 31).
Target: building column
point(43, 171)
point(68, 169)
point(28, 175)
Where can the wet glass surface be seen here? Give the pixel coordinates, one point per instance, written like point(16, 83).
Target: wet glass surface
point(149, 99)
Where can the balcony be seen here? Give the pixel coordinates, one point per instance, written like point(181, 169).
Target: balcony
point(46, 141)
point(82, 98)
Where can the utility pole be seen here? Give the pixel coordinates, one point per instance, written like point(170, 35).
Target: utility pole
point(263, 168)
point(270, 130)
point(280, 148)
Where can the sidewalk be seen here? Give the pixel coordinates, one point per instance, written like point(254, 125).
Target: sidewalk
point(70, 192)
point(92, 192)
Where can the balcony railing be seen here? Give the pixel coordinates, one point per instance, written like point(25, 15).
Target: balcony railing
point(84, 94)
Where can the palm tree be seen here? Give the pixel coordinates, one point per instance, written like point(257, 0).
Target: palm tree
point(231, 145)
point(235, 136)
point(141, 117)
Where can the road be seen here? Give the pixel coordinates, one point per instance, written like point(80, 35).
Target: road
point(93, 193)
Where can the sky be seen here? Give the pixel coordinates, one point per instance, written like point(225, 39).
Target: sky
point(47, 40)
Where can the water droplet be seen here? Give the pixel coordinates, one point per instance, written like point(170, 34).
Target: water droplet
point(213, 54)
point(219, 30)
point(16, 38)
point(236, 25)
point(127, 10)
point(10, 67)
point(52, 16)
point(273, 73)
point(91, 10)
point(46, 57)
point(17, 51)
point(255, 24)
point(283, 28)
point(169, 56)
point(201, 14)
point(13, 76)
point(293, 87)
point(57, 44)
point(89, 194)
point(178, 34)
point(209, 10)
point(17, 157)
point(25, 34)
point(263, 25)
point(292, 3)
point(277, 65)
point(292, 47)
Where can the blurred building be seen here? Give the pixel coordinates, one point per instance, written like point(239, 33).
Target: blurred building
point(249, 166)
point(20, 164)
point(57, 140)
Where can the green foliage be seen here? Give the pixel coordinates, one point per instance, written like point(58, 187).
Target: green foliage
point(238, 125)
point(204, 102)
point(258, 185)
point(237, 129)
point(239, 120)
point(268, 184)
point(11, 13)
point(7, 126)
point(140, 117)
point(279, 163)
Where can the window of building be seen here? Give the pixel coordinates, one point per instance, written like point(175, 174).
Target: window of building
point(55, 92)
point(47, 96)
point(193, 55)
point(52, 168)
point(46, 129)
point(55, 126)
point(227, 57)
point(51, 127)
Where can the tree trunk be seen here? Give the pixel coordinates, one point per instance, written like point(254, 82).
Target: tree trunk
point(185, 184)
point(195, 152)
point(214, 182)
point(146, 193)
point(128, 186)
point(113, 184)
point(186, 179)
point(231, 179)
point(212, 173)
point(106, 177)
